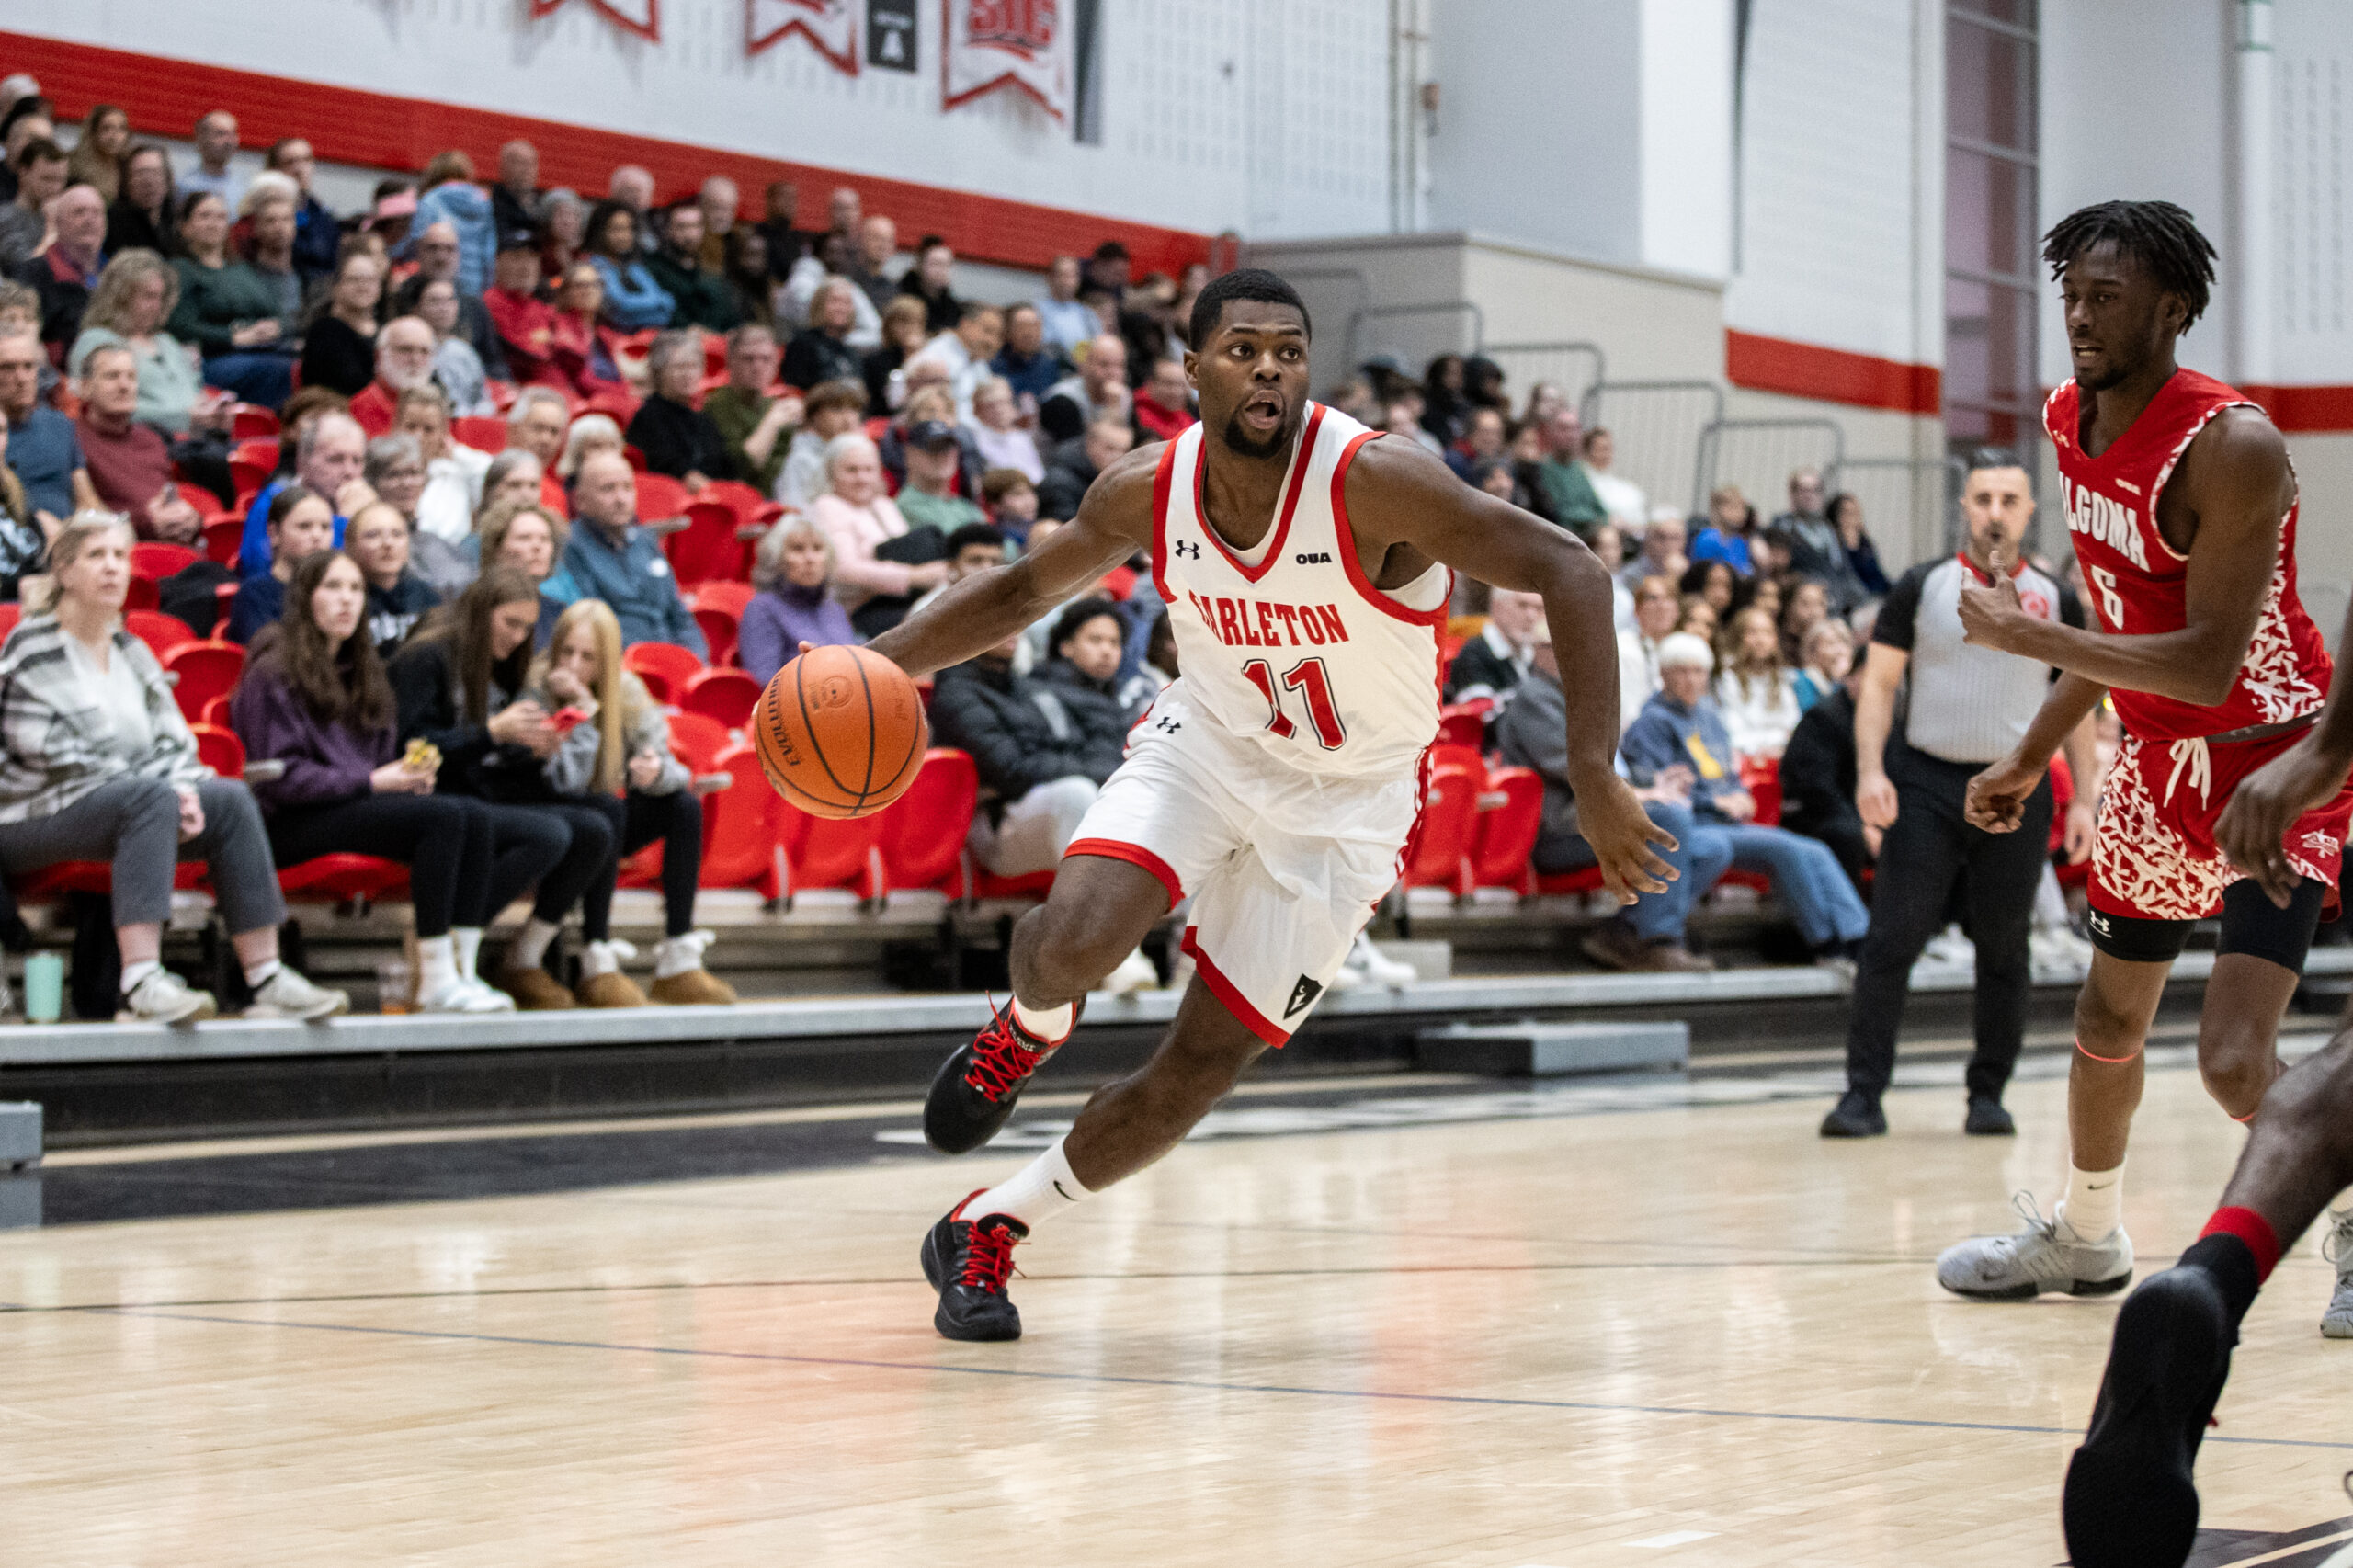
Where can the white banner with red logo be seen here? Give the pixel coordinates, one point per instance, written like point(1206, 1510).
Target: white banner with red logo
point(643, 18)
point(1023, 44)
point(832, 27)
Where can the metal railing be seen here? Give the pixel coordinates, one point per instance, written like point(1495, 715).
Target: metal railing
point(1655, 428)
point(1758, 454)
point(1920, 497)
point(1575, 368)
point(1381, 329)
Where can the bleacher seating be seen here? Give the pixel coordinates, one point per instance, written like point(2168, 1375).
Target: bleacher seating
point(203, 669)
point(726, 695)
point(663, 666)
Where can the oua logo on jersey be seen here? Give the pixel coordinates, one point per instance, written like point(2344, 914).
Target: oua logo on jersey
point(2111, 522)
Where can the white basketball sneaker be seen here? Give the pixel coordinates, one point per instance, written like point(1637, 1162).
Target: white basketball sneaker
point(1136, 973)
point(2337, 1322)
point(2045, 1257)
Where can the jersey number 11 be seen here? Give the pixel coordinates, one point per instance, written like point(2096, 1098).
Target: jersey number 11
point(1309, 678)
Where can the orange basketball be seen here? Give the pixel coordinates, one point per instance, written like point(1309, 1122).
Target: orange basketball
point(840, 732)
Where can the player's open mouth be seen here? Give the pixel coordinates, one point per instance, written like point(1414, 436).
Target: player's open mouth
point(1264, 412)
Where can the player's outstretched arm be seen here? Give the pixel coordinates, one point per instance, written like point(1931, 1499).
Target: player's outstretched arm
point(2235, 480)
point(1400, 495)
point(972, 617)
point(2254, 829)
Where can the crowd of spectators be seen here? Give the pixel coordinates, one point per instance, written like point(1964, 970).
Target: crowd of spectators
point(437, 621)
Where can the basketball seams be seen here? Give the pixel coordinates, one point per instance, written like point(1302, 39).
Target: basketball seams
point(866, 688)
point(809, 728)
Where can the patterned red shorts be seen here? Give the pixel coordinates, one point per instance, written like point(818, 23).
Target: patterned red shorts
point(2155, 858)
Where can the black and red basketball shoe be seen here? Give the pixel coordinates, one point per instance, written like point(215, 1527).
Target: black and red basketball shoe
point(968, 1262)
point(972, 1096)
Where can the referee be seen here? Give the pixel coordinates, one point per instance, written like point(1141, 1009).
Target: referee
point(1967, 707)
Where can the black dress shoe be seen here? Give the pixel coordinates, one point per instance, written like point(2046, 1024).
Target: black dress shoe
point(1855, 1115)
point(1988, 1119)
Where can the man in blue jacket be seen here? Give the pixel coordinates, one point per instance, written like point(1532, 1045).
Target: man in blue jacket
point(1681, 728)
point(612, 559)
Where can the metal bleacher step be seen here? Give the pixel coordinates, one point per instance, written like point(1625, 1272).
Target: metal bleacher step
point(1536, 1050)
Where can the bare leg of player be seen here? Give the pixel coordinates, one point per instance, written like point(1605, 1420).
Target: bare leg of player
point(2131, 1499)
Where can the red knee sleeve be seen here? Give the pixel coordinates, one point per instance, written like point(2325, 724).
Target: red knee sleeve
point(2253, 1230)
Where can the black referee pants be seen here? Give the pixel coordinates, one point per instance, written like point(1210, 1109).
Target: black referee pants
point(1930, 845)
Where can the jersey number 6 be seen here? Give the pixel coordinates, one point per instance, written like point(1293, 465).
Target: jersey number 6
point(1309, 678)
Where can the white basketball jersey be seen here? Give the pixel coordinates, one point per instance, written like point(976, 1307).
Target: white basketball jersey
point(1297, 649)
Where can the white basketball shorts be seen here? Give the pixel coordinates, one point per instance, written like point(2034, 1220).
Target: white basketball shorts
point(1284, 867)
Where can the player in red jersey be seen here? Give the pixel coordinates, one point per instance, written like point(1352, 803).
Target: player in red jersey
point(2181, 508)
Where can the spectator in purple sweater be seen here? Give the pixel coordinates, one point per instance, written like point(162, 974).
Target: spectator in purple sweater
point(315, 699)
point(796, 562)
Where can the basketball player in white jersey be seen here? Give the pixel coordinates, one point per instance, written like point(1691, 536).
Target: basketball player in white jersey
point(1276, 783)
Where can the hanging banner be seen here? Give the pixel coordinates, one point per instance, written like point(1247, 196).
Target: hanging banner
point(890, 35)
point(1025, 44)
point(643, 18)
point(831, 27)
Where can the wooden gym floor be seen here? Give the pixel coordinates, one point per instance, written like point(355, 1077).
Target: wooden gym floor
point(1692, 1335)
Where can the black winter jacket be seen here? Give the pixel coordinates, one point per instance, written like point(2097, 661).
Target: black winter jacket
point(1022, 732)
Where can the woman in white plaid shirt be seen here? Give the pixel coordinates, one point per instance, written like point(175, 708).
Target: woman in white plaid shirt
point(97, 763)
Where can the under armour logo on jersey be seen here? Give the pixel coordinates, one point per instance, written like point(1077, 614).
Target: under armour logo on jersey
point(1185, 550)
point(1302, 997)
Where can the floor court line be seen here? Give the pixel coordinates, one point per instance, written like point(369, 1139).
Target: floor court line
point(1191, 1384)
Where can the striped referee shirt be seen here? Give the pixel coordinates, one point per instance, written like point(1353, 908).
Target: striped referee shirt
point(1967, 704)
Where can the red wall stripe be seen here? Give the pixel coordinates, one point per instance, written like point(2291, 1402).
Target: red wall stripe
point(344, 125)
point(2307, 411)
point(1831, 375)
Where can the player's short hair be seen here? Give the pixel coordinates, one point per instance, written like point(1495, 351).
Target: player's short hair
point(2159, 236)
point(1249, 283)
point(964, 538)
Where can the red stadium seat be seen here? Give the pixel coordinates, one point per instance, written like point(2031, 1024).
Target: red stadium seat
point(261, 449)
point(1557, 884)
point(206, 669)
point(739, 838)
point(217, 710)
point(481, 432)
point(924, 829)
point(727, 696)
point(988, 884)
point(1464, 723)
point(697, 741)
point(250, 421)
point(156, 561)
point(663, 666)
point(1439, 855)
point(93, 876)
point(706, 550)
point(660, 497)
point(220, 750)
point(142, 594)
point(719, 628)
point(160, 632)
point(1511, 811)
point(737, 496)
point(822, 853)
point(224, 537)
point(10, 613)
point(636, 459)
point(343, 878)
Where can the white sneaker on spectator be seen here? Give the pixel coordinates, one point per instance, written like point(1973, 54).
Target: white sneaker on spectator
point(164, 998)
point(1136, 973)
point(1377, 967)
point(467, 996)
point(286, 995)
point(1948, 945)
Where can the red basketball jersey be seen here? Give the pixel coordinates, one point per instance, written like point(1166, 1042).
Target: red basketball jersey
point(2136, 581)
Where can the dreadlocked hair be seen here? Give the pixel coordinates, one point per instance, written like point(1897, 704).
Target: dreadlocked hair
point(2158, 234)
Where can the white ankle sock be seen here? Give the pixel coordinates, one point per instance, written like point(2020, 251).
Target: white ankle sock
point(679, 955)
point(132, 974)
point(1051, 1025)
point(529, 948)
point(436, 965)
point(1042, 1187)
point(2094, 1203)
point(465, 946)
point(259, 974)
